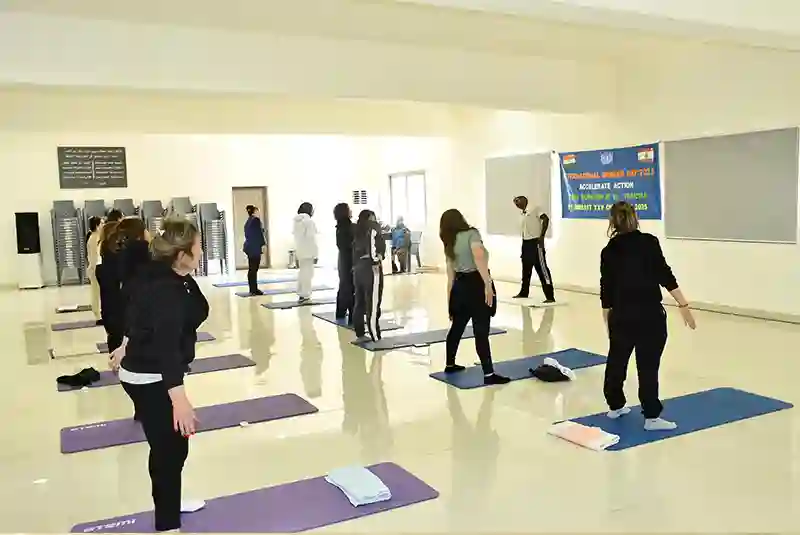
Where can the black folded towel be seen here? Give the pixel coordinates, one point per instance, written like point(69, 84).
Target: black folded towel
point(85, 377)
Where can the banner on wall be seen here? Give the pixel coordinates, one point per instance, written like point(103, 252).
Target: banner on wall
point(591, 181)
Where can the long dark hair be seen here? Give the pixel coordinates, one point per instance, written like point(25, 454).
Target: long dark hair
point(622, 219)
point(364, 222)
point(94, 222)
point(127, 230)
point(306, 208)
point(341, 213)
point(451, 223)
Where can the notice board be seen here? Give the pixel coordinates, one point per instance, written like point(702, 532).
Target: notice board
point(92, 167)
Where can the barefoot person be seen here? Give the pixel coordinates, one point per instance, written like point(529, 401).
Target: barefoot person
point(632, 272)
point(470, 290)
point(163, 315)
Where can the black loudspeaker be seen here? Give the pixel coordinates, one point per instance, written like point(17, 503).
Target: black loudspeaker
point(28, 233)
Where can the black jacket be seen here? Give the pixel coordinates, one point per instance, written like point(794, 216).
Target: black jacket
point(368, 244)
point(344, 242)
point(632, 270)
point(163, 315)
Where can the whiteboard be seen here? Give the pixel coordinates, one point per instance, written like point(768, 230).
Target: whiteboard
point(740, 187)
point(511, 176)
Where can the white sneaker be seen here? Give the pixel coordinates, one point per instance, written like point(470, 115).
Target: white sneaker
point(617, 413)
point(192, 506)
point(658, 424)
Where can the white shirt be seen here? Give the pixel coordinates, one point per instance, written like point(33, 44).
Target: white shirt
point(531, 223)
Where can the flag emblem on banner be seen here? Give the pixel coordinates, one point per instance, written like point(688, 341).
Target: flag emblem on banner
point(646, 155)
point(606, 158)
point(569, 159)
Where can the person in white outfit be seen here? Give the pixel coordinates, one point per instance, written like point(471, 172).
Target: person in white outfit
point(305, 249)
point(93, 257)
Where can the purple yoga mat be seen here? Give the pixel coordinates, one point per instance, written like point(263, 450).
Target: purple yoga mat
point(102, 347)
point(72, 325)
point(290, 508)
point(121, 432)
point(205, 365)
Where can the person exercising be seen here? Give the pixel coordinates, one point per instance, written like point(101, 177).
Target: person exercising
point(534, 227)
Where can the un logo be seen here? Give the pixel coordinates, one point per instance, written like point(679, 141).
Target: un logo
point(606, 158)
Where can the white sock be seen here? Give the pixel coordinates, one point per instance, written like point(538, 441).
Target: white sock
point(192, 506)
point(617, 413)
point(659, 424)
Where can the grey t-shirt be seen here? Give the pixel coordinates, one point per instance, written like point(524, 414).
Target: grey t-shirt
point(464, 260)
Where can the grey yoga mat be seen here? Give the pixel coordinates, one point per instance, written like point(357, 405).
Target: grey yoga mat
point(330, 317)
point(282, 291)
point(65, 309)
point(204, 365)
point(286, 305)
point(102, 347)
point(288, 508)
point(420, 339)
point(72, 325)
point(120, 432)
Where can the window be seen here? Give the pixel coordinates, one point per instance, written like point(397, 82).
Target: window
point(407, 199)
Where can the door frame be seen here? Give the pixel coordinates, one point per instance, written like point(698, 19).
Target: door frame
point(266, 259)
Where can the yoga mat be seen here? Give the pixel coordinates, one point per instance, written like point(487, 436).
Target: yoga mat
point(330, 317)
point(73, 308)
point(204, 365)
point(530, 302)
point(692, 412)
point(272, 280)
point(285, 305)
point(420, 339)
point(516, 369)
point(120, 432)
point(102, 347)
point(289, 508)
point(72, 325)
point(282, 291)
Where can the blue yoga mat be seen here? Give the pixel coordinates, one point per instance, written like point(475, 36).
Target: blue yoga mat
point(330, 317)
point(692, 412)
point(520, 368)
point(420, 339)
point(272, 280)
point(286, 305)
point(282, 291)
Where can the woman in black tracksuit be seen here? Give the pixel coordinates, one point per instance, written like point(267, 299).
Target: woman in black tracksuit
point(165, 310)
point(369, 249)
point(632, 272)
point(345, 297)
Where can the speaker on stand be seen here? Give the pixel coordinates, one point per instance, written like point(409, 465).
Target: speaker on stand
point(29, 251)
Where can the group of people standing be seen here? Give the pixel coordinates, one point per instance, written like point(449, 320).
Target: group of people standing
point(151, 307)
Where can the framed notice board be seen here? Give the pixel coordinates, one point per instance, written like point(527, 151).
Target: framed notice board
point(92, 167)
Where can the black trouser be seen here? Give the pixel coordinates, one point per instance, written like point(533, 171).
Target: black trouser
point(368, 279)
point(535, 257)
point(253, 263)
point(468, 302)
point(168, 451)
point(644, 330)
point(112, 309)
point(345, 296)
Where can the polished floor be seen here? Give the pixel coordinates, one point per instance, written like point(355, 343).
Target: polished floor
point(485, 450)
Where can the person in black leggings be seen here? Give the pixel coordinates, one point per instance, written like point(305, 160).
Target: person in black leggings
point(470, 290)
point(632, 272)
point(165, 310)
point(254, 243)
point(345, 296)
point(108, 280)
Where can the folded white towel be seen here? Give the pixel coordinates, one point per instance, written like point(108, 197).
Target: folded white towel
point(592, 438)
point(550, 361)
point(361, 486)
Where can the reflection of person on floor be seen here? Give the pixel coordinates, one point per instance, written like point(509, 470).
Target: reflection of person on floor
point(366, 413)
point(310, 355)
point(254, 243)
point(475, 451)
point(306, 250)
point(401, 243)
point(346, 295)
point(537, 341)
point(534, 224)
point(632, 272)
point(164, 313)
point(471, 292)
point(369, 249)
point(262, 338)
